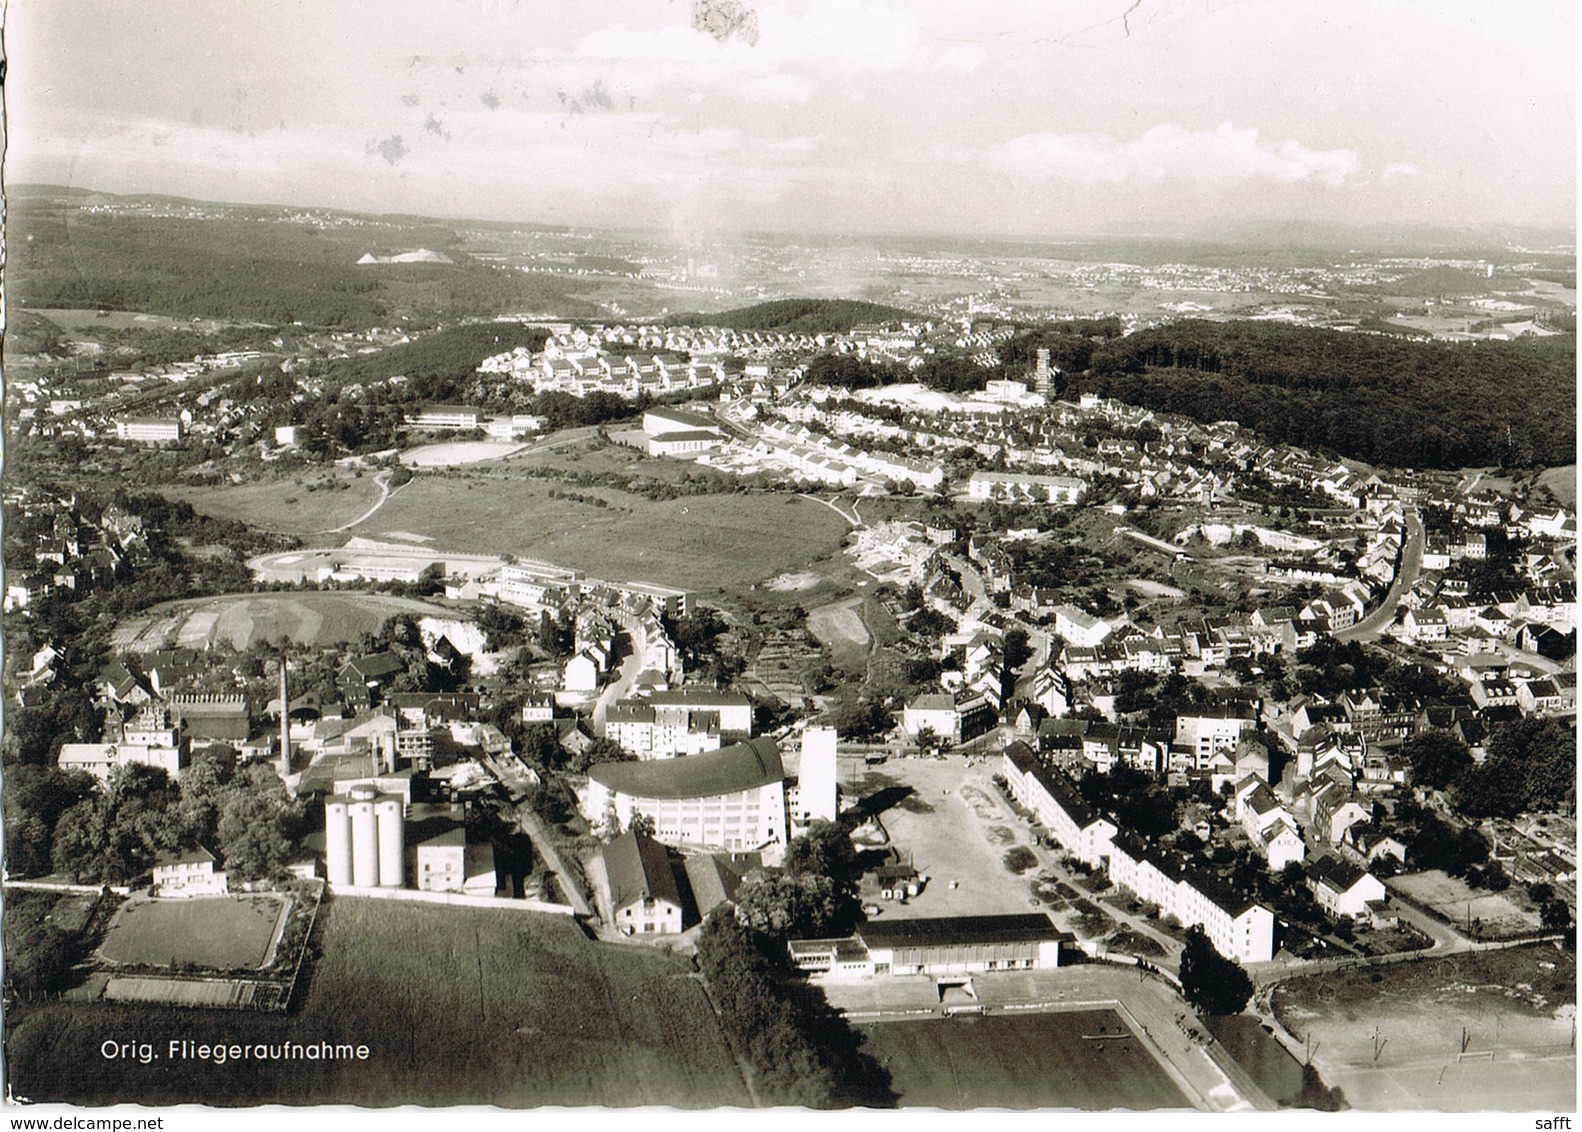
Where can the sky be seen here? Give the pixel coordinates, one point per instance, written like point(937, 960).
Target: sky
point(934, 116)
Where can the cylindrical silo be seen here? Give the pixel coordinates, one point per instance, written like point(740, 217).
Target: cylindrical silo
point(392, 849)
point(337, 842)
point(365, 839)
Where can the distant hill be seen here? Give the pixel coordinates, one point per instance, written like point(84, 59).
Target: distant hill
point(798, 316)
point(1378, 398)
point(252, 263)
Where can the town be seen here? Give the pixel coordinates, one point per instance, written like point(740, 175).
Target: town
point(1018, 691)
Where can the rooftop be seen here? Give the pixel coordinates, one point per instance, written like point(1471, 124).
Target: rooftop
point(730, 770)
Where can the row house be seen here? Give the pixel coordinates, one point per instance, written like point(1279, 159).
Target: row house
point(1239, 928)
point(1074, 825)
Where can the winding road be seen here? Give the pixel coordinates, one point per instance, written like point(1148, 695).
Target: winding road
point(1374, 624)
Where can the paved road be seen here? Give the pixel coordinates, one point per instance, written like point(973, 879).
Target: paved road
point(1371, 626)
point(621, 686)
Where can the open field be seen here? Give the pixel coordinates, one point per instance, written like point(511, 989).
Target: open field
point(1563, 482)
point(1021, 1062)
point(458, 1005)
point(83, 323)
point(238, 620)
point(286, 506)
point(1455, 901)
point(700, 542)
point(228, 933)
point(1513, 1008)
point(839, 627)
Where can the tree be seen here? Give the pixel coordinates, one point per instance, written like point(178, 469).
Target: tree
point(39, 957)
point(863, 719)
point(204, 786)
point(1210, 982)
point(641, 824)
point(258, 825)
point(1016, 650)
point(35, 799)
point(784, 905)
point(1531, 766)
point(601, 750)
point(115, 834)
point(1437, 759)
point(1555, 915)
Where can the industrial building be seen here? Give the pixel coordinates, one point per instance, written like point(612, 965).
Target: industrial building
point(365, 839)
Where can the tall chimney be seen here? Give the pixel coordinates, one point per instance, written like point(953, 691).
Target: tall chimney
point(285, 722)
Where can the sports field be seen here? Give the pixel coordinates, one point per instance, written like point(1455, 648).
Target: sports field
point(458, 1005)
point(1084, 1059)
point(1479, 1031)
point(225, 932)
point(450, 453)
point(238, 620)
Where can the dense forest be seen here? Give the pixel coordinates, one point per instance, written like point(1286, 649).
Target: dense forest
point(260, 269)
point(798, 316)
point(1383, 400)
point(441, 364)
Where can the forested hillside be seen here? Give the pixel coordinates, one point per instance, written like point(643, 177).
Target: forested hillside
point(1380, 399)
point(797, 316)
point(253, 268)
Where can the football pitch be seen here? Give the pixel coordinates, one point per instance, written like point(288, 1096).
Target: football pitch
point(228, 933)
point(1084, 1059)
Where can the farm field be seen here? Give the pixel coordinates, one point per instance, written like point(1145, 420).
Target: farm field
point(285, 506)
point(1022, 1062)
point(238, 620)
point(459, 1006)
point(226, 932)
point(1513, 1008)
point(700, 542)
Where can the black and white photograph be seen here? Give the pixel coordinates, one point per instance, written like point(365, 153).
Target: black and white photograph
point(662, 558)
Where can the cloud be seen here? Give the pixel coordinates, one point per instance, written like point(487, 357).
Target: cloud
point(1400, 169)
point(1229, 154)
